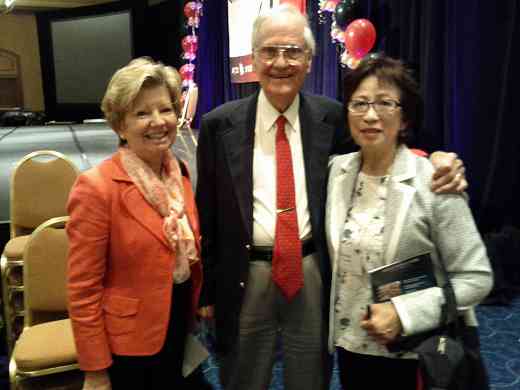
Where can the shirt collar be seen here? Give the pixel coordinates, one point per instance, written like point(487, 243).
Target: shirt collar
point(269, 114)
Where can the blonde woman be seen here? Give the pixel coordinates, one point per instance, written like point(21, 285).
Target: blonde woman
point(134, 273)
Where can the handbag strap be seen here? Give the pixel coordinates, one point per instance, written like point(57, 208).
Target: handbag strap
point(449, 312)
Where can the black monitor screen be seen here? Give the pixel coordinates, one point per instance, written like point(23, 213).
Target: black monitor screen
point(86, 51)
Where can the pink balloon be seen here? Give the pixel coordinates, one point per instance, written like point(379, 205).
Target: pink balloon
point(190, 43)
point(360, 36)
point(191, 9)
point(187, 71)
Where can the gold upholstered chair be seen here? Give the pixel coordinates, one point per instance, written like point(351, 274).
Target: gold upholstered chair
point(39, 188)
point(46, 345)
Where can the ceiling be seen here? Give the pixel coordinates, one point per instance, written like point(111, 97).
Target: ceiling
point(48, 5)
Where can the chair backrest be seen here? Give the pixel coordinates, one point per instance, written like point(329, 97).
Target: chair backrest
point(40, 186)
point(45, 269)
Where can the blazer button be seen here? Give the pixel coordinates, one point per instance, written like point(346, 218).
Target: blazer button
point(242, 284)
point(248, 246)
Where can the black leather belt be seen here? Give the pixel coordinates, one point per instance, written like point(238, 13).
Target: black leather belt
point(265, 253)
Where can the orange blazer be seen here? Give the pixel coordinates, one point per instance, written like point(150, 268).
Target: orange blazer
point(120, 267)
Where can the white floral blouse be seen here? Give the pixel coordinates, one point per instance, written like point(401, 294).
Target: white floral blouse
point(361, 249)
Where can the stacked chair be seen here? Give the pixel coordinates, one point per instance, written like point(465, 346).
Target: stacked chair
point(46, 344)
point(39, 189)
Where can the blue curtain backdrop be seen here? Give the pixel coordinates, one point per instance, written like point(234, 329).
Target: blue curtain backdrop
point(465, 54)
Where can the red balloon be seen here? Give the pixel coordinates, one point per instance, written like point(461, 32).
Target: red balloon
point(191, 9)
point(190, 43)
point(360, 37)
point(187, 71)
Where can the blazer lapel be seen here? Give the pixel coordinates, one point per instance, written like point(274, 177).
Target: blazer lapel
point(400, 197)
point(238, 143)
point(340, 200)
point(137, 206)
point(143, 213)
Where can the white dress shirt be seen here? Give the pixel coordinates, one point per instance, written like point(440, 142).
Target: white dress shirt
point(264, 171)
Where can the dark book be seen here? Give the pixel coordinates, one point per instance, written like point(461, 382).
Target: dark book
point(402, 277)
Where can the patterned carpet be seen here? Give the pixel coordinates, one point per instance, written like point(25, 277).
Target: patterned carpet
point(499, 332)
point(500, 338)
point(500, 343)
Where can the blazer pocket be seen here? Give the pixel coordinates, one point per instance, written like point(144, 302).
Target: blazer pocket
point(120, 314)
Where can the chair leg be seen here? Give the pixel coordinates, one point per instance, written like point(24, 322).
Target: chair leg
point(5, 303)
point(13, 377)
point(10, 313)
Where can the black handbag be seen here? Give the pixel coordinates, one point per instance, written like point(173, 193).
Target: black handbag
point(449, 356)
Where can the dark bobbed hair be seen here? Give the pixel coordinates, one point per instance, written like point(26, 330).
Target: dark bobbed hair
point(393, 72)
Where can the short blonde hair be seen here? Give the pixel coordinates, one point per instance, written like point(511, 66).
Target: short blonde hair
point(128, 81)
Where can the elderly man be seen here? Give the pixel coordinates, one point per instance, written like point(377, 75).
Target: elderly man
point(262, 168)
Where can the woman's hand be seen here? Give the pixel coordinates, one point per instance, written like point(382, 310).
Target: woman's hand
point(449, 173)
point(97, 380)
point(206, 312)
point(384, 324)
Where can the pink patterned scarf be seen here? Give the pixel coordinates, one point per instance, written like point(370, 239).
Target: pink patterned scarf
point(166, 196)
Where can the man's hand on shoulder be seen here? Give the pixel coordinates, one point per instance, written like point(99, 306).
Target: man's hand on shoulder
point(449, 173)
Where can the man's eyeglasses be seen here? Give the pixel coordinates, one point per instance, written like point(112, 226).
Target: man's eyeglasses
point(382, 107)
point(291, 53)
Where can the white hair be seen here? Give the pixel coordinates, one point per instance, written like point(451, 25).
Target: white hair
point(284, 12)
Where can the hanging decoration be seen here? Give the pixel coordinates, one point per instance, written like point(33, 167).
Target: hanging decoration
point(192, 12)
point(354, 37)
point(190, 45)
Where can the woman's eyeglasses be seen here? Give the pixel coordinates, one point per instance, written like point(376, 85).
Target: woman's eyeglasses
point(382, 107)
point(291, 53)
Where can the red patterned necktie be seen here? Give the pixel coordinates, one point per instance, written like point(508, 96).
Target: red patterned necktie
point(287, 251)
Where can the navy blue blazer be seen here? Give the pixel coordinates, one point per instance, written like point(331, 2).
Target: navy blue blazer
point(224, 197)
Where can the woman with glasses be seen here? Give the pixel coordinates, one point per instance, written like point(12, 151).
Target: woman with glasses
point(380, 209)
point(134, 270)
